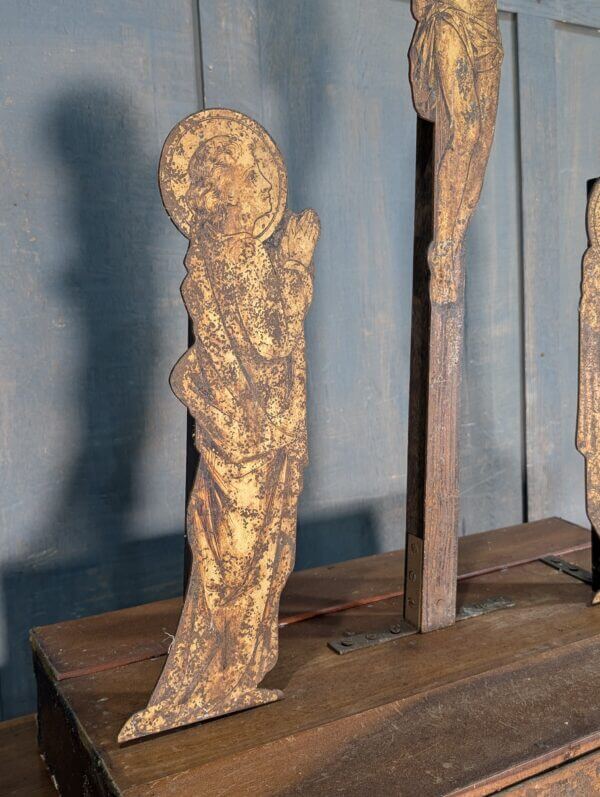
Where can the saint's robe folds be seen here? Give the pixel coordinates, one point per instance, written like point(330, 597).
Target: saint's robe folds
point(244, 381)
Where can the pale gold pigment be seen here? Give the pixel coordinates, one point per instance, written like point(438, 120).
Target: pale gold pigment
point(247, 291)
point(455, 59)
point(588, 419)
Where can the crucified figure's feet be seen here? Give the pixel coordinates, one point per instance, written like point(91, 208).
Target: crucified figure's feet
point(444, 267)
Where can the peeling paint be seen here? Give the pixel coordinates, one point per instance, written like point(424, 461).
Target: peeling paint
point(248, 288)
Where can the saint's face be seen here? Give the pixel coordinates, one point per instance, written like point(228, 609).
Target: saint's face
point(255, 196)
point(248, 192)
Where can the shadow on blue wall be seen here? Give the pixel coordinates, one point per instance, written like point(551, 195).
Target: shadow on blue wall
point(109, 284)
point(336, 537)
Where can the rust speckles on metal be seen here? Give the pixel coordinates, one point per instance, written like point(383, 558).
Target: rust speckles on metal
point(248, 288)
point(588, 420)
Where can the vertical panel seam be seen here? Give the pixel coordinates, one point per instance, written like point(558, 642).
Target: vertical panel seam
point(521, 289)
point(199, 61)
point(540, 420)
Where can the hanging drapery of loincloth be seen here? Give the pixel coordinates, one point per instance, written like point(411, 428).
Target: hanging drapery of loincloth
point(482, 44)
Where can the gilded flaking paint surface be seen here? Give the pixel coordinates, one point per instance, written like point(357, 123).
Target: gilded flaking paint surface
point(455, 59)
point(248, 288)
point(588, 420)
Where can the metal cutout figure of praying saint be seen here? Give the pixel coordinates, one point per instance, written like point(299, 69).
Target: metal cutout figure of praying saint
point(588, 417)
point(455, 59)
point(247, 291)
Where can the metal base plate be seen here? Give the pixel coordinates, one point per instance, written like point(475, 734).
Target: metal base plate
point(352, 641)
point(558, 563)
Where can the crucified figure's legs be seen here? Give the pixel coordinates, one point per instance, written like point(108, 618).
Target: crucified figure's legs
point(455, 61)
point(465, 123)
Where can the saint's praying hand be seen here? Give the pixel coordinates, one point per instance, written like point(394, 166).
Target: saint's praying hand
point(455, 59)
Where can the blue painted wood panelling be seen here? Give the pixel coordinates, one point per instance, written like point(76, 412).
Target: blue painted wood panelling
point(329, 80)
point(92, 442)
point(578, 146)
point(492, 423)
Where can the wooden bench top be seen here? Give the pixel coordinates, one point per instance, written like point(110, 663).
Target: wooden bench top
point(471, 709)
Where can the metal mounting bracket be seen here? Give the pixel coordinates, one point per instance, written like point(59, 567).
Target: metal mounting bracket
point(352, 641)
point(558, 563)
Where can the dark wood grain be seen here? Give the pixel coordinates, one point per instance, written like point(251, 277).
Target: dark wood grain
point(519, 683)
point(420, 332)
point(575, 778)
point(420, 362)
point(441, 499)
point(101, 642)
point(22, 771)
point(496, 749)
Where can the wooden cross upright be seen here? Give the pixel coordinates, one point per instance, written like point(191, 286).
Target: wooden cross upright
point(455, 60)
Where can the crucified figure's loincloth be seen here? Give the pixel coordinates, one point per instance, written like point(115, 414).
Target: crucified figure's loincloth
point(454, 68)
point(481, 44)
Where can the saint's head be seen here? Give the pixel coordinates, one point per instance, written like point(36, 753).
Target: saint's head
point(228, 189)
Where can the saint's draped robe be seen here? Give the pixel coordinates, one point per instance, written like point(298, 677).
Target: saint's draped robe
point(244, 382)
